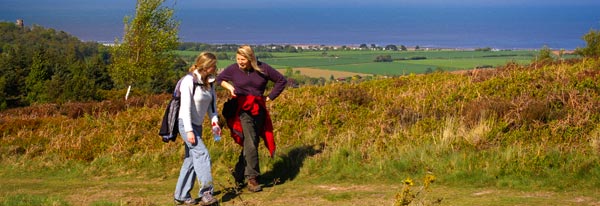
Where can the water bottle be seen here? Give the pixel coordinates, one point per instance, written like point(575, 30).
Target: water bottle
point(216, 130)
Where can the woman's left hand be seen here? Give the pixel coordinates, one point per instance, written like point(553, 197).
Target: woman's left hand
point(191, 138)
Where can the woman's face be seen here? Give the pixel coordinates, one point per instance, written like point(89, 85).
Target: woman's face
point(242, 62)
point(212, 69)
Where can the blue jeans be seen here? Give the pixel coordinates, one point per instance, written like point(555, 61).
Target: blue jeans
point(195, 164)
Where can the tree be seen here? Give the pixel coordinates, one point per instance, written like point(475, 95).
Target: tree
point(391, 47)
point(40, 65)
point(485, 49)
point(222, 56)
point(545, 55)
point(289, 72)
point(35, 81)
point(143, 55)
point(428, 70)
point(592, 48)
point(290, 49)
point(3, 103)
point(383, 58)
point(363, 47)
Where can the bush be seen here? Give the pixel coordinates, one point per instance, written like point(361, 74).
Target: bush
point(592, 48)
point(383, 58)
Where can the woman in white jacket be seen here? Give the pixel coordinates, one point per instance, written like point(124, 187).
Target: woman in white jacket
point(198, 99)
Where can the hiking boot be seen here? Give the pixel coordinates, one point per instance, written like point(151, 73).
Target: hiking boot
point(186, 202)
point(253, 185)
point(207, 199)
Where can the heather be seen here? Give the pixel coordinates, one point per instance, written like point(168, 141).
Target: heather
point(514, 126)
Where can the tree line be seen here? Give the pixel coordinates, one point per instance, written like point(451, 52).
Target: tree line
point(43, 65)
point(39, 65)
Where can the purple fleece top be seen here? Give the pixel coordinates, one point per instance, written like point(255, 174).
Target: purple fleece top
point(252, 82)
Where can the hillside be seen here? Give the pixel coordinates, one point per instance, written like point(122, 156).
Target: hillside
point(519, 127)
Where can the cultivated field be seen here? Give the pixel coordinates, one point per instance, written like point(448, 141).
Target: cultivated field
point(404, 62)
point(324, 73)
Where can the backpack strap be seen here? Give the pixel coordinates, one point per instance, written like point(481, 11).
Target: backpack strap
point(213, 105)
point(177, 93)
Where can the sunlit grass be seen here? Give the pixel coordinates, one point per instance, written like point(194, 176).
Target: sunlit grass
point(523, 127)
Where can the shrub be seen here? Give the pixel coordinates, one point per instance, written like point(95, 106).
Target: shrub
point(592, 48)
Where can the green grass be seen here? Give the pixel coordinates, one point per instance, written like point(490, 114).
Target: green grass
point(517, 134)
point(26, 200)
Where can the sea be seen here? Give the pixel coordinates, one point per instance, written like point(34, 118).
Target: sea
point(532, 27)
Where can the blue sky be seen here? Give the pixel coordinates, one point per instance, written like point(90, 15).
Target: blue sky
point(191, 4)
point(376, 3)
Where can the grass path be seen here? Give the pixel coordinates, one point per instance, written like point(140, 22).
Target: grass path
point(139, 191)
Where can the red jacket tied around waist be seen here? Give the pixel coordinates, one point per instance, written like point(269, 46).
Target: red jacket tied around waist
point(253, 104)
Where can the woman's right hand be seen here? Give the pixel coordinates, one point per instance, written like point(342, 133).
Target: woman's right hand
point(232, 91)
point(191, 137)
point(229, 87)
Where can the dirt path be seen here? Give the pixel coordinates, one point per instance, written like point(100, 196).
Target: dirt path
point(132, 191)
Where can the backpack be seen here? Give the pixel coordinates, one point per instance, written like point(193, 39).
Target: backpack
point(169, 127)
point(170, 124)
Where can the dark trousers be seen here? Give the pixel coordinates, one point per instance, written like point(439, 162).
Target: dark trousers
point(248, 161)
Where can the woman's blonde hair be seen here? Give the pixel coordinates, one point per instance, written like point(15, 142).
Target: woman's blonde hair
point(247, 52)
point(204, 61)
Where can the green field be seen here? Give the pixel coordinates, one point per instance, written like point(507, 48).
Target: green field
point(363, 61)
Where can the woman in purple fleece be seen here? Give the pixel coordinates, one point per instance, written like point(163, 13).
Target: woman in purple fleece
point(247, 81)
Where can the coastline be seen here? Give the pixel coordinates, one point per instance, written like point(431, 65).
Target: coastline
point(357, 47)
